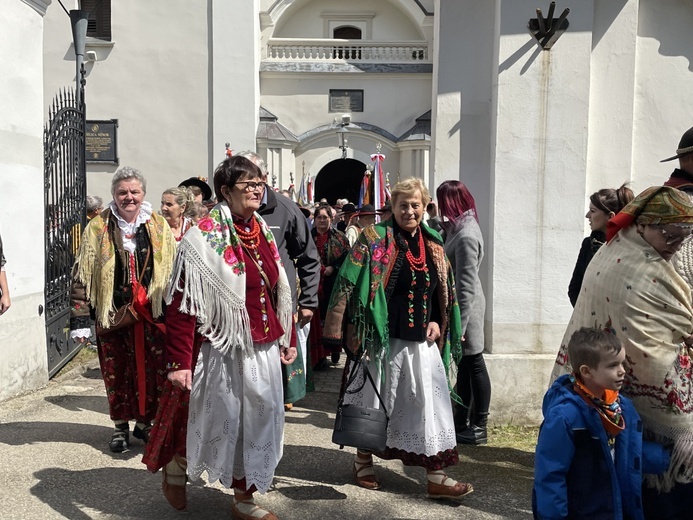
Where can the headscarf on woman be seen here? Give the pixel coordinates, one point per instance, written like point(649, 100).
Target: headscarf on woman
point(632, 291)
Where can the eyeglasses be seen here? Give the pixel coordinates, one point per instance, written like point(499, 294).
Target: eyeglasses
point(672, 239)
point(250, 186)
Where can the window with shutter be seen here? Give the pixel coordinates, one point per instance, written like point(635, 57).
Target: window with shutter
point(99, 25)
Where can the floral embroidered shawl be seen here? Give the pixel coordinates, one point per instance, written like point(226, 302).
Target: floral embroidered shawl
point(335, 248)
point(96, 261)
point(632, 291)
point(209, 270)
point(359, 293)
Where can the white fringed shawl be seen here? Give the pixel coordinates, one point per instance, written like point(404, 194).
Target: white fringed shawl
point(209, 270)
point(631, 290)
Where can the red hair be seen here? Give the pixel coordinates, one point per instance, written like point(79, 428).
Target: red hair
point(454, 199)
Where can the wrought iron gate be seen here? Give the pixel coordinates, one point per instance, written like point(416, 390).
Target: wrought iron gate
point(65, 200)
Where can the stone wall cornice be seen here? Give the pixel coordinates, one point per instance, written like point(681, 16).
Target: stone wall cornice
point(39, 6)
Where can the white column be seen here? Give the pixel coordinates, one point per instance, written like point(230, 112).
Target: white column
point(540, 162)
point(23, 363)
point(235, 98)
point(612, 97)
point(464, 68)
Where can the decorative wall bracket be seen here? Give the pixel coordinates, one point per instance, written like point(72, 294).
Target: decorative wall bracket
point(548, 30)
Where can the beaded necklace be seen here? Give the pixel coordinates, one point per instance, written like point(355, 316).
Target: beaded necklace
point(418, 264)
point(250, 242)
point(249, 236)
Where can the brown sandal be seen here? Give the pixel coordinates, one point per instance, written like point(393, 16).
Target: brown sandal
point(448, 490)
point(365, 476)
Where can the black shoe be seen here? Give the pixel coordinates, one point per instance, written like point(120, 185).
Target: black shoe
point(142, 433)
point(321, 365)
point(120, 440)
point(473, 435)
point(335, 357)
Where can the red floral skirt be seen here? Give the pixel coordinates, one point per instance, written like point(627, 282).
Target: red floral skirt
point(169, 432)
point(119, 371)
point(441, 460)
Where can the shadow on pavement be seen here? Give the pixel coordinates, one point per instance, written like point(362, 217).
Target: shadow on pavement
point(122, 492)
point(20, 433)
point(76, 403)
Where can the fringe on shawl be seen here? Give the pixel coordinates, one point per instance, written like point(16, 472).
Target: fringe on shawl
point(91, 273)
point(285, 307)
point(162, 269)
point(681, 465)
point(221, 315)
point(99, 276)
point(376, 342)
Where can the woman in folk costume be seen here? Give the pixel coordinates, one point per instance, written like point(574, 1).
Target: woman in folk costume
point(333, 247)
point(177, 207)
point(632, 289)
point(125, 256)
point(396, 293)
point(230, 290)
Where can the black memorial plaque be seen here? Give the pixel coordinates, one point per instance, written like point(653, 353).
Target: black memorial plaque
point(102, 140)
point(346, 100)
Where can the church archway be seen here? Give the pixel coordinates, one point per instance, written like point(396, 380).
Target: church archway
point(339, 179)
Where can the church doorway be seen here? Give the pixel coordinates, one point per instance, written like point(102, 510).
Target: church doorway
point(340, 179)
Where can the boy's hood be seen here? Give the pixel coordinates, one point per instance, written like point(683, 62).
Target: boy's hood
point(560, 391)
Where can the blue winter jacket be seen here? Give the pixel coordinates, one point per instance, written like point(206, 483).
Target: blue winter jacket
point(574, 474)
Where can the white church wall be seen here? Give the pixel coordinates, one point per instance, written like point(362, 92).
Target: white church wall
point(612, 99)
point(23, 363)
point(663, 108)
point(309, 20)
point(541, 152)
point(391, 101)
point(155, 80)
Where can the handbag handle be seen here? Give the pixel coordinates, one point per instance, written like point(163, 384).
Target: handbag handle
point(366, 373)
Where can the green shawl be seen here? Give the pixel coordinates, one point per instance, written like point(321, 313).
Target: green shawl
point(359, 293)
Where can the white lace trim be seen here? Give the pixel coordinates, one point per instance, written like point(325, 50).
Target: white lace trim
point(128, 229)
point(80, 333)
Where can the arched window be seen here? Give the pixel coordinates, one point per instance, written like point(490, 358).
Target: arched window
point(347, 52)
point(347, 32)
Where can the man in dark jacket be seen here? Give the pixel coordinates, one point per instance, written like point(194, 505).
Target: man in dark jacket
point(299, 256)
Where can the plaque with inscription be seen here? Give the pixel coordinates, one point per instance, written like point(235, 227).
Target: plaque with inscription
point(102, 140)
point(346, 100)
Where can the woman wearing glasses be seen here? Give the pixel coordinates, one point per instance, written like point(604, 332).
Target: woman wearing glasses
point(229, 300)
point(632, 289)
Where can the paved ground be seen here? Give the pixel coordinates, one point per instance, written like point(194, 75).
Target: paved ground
point(55, 463)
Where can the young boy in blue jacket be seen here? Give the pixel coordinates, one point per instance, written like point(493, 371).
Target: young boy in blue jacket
point(590, 456)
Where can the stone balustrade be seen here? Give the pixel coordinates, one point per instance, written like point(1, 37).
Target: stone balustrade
point(365, 51)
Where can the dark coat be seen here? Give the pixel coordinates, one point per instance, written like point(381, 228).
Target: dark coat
point(589, 247)
point(464, 246)
point(295, 245)
point(575, 476)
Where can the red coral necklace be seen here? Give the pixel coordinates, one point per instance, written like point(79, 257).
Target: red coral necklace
point(249, 236)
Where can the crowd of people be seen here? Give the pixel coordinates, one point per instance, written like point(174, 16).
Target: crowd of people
point(212, 313)
point(209, 322)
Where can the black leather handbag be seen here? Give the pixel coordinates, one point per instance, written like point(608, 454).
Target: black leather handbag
point(358, 426)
